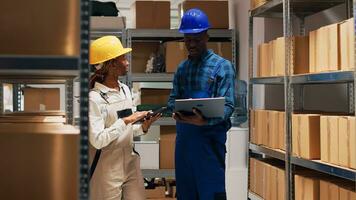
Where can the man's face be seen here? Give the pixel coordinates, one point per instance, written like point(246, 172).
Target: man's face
point(196, 43)
point(120, 66)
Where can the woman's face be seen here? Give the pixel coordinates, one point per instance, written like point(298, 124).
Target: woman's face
point(119, 66)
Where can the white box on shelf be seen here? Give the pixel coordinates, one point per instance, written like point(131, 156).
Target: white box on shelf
point(149, 153)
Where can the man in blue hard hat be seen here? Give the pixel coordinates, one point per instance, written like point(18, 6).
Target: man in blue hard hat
point(200, 143)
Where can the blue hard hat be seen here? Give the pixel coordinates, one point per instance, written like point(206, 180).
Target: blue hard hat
point(194, 21)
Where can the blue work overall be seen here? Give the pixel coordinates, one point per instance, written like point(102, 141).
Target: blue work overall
point(200, 155)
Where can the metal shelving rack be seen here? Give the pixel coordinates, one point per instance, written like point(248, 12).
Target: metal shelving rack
point(160, 35)
point(288, 10)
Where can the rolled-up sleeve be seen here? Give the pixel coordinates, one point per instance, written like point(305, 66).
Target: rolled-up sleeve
point(225, 88)
point(137, 130)
point(99, 136)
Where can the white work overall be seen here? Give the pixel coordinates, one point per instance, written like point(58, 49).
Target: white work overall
point(117, 174)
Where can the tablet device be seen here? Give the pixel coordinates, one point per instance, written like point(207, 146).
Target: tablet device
point(151, 114)
point(210, 107)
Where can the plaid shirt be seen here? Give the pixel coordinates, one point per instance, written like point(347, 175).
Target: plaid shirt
point(194, 75)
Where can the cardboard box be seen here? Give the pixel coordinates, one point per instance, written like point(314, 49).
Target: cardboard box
point(267, 182)
point(263, 68)
point(175, 54)
point(301, 58)
point(312, 51)
point(352, 142)
point(346, 194)
point(281, 130)
point(253, 181)
point(257, 3)
point(324, 139)
point(107, 23)
point(43, 19)
point(273, 183)
point(306, 135)
point(224, 49)
point(210, 8)
point(328, 191)
point(39, 157)
point(252, 127)
point(273, 117)
point(158, 192)
point(263, 127)
point(41, 99)
point(155, 96)
point(167, 147)
point(344, 142)
point(151, 14)
point(141, 54)
point(327, 48)
point(334, 139)
point(306, 188)
point(281, 184)
point(347, 49)
point(279, 56)
point(260, 178)
point(149, 154)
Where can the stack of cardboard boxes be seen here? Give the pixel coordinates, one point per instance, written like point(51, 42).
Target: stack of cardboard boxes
point(271, 57)
point(267, 180)
point(331, 139)
point(45, 146)
point(317, 187)
point(268, 128)
point(329, 48)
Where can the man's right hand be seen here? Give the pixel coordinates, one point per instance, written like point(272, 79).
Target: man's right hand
point(135, 117)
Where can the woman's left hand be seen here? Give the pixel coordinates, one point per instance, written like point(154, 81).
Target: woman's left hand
point(148, 122)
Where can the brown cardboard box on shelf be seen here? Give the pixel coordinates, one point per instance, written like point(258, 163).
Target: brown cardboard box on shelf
point(167, 145)
point(46, 151)
point(352, 142)
point(257, 3)
point(301, 58)
point(154, 96)
point(273, 183)
point(344, 142)
point(175, 54)
point(346, 194)
point(157, 192)
point(263, 130)
point(306, 188)
point(328, 191)
point(41, 99)
point(306, 135)
point(281, 132)
point(253, 181)
point(312, 51)
point(279, 56)
point(253, 127)
point(210, 8)
point(273, 129)
point(224, 49)
point(347, 49)
point(334, 139)
point(141, 54)
point(263, 68)
point(260, 178)
point(324, 139)
point(281, 184)
point(327, 48)
point(271, 58)
point(43, 19)
point(321, 50)
point(151, 14)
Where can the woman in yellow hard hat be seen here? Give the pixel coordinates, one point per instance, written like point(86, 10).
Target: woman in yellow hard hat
point(115, 169)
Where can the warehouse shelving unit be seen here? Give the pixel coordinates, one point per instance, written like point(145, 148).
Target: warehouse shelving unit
point(164, 80)
point(288, 10)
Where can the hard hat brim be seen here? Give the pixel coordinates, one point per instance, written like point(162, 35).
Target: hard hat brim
point(197, 30)
point(124, 51)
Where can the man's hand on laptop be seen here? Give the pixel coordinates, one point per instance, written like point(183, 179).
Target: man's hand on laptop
point(195, 118)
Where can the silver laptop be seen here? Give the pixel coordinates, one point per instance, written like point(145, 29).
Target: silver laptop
point(210, 107)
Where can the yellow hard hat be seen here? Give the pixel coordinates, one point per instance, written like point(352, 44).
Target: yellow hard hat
point(106, 48)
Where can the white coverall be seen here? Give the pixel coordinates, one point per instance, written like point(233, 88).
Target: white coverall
point(117, 174)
